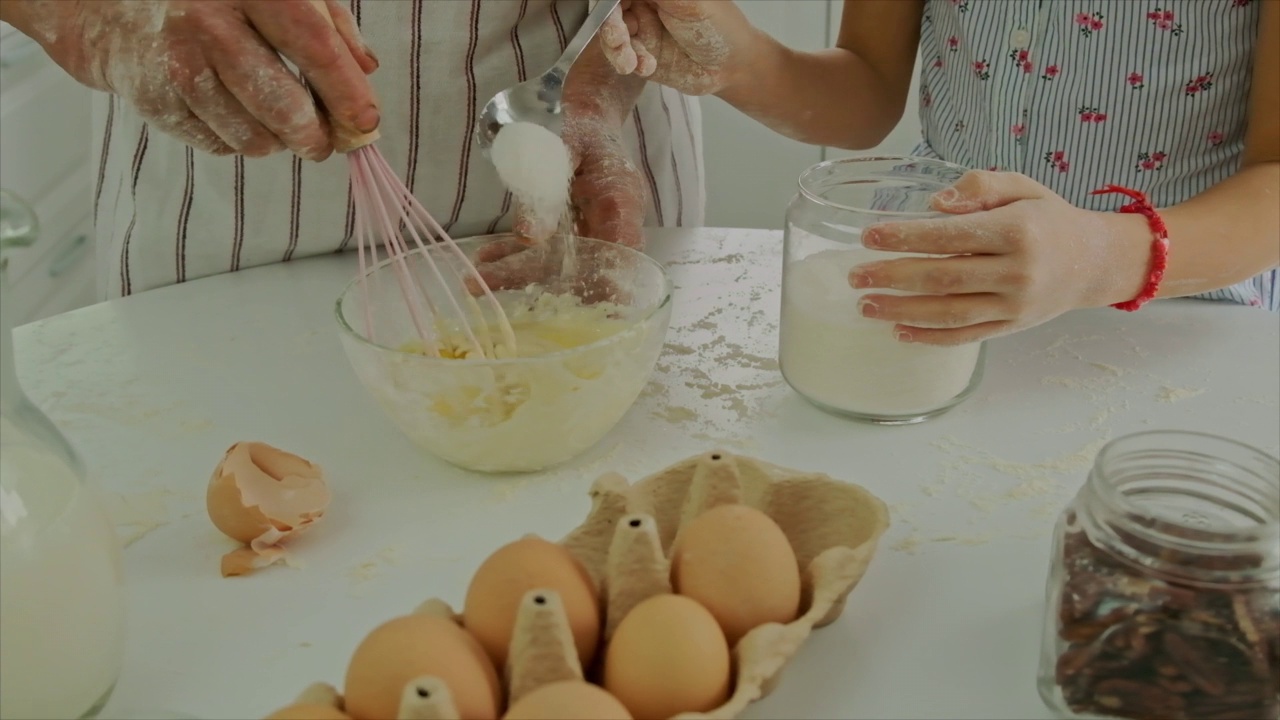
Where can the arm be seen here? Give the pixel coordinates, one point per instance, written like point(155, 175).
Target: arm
point(1230, 232)
point(1023, 255)
point(849, 96)
point(858, 88)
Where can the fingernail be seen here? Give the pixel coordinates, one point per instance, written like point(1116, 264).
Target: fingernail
point(859, 279)
point(946, 196)
point(368, 119)
point(372, 55)
point(872, 239)
point(902, 336)
point(868, 309)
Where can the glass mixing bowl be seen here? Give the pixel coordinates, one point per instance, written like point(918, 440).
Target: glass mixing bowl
point(610, 304)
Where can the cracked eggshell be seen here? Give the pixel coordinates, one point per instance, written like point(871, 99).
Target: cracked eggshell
point(260, 495)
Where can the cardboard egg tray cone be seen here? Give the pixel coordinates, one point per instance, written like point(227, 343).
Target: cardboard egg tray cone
point(833, 528)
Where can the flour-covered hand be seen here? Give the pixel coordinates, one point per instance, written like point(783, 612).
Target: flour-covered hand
point(1018, 255)
point(211, 73)
point(690, 45)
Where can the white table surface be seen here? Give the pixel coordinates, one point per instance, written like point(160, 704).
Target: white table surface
point(152, 389)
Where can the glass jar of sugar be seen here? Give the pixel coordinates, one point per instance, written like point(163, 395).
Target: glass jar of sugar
point(1163, 596)
point(829, 353)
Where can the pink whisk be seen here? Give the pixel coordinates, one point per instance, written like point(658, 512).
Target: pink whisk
point(383, 205)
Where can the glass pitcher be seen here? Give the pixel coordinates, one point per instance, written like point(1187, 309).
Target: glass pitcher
point(62, 609)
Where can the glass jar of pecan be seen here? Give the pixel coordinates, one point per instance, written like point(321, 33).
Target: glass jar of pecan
point(1164, 589)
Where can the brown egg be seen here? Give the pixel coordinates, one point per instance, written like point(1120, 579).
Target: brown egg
point(668, 656)
point(530, 563)
point(406, 648)
point(261, 496)
point(568, 700)
point(737, 562)
point(308, 711)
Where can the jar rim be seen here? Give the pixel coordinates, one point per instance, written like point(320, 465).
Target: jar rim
point(1258, 486)
point(810, 178)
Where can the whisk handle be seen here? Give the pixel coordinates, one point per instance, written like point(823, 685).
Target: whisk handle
point(344, 139)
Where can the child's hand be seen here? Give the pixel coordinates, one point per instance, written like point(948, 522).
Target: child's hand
point(685, 44)
point(1024, 256)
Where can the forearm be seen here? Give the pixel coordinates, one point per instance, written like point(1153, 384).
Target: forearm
point(1220, 237)
point(829, 97)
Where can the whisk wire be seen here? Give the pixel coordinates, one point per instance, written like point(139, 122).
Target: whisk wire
point(381, 173)
point(504, 325)
point(383, 205)
point(373, 201)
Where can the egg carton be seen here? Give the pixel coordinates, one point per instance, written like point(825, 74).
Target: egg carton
point(833, 528)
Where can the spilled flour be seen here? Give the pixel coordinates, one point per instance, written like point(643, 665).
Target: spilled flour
point(138, 515)
point(1107, 385)
point(1174, 394)
point(1022, 498)
point(371, 567)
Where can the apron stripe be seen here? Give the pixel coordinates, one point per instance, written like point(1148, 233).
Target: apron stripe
point(555, 19)
point(355, 11)
point(521, 77)
point(350, 229)
point(140, 151)
point(693, 142)
point(415, 95)
point(184, 216)
point(675, 167)
point(648, 169)
point(295, 209)
point(106, 151)
point(464, 164)
point(238, 242)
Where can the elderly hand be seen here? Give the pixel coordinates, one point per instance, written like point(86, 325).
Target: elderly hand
point(1022, 255)
point(210, 73)
point(689, 45)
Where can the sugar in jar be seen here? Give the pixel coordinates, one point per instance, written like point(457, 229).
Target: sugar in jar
point(1163, 596)
point(829, 353)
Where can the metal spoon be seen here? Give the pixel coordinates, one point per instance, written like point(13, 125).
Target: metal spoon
point(537, 100)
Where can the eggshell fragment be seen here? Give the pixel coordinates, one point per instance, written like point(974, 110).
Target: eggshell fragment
point(262, 496)
point(568, 700)
point(737, 562)
point(412, 647)
point(668, 656)
point(501, 582)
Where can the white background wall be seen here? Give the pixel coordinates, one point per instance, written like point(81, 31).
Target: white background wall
point(751, 171)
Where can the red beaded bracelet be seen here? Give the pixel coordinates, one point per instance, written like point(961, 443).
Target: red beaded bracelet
point(1159, 246)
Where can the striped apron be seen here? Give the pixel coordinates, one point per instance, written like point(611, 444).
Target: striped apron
point(165, 213)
